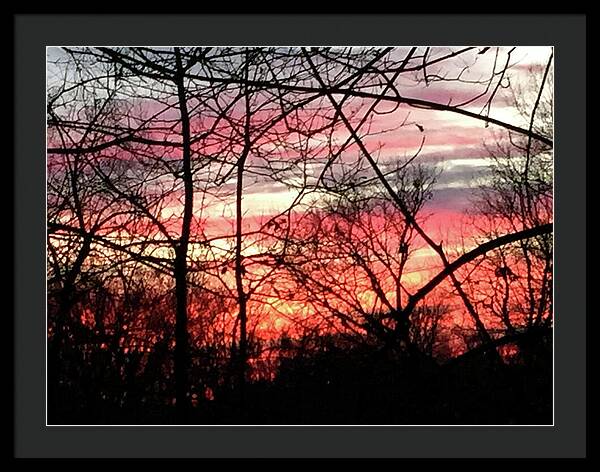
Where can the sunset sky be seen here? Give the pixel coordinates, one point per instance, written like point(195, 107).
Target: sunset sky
point(453, 146)
point(449, 135)
point(450, 143)
point(453, 143)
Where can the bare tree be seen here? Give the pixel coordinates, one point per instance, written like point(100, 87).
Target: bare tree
point(353, 250)
point(513, 284)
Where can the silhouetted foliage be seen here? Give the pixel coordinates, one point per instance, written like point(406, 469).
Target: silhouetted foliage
point(319, 380)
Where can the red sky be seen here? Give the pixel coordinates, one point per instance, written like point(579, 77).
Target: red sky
point(453, 144)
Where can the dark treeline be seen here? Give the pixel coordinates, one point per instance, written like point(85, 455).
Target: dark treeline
point(318, 380)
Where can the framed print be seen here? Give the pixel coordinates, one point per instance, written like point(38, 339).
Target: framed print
point(324, 245)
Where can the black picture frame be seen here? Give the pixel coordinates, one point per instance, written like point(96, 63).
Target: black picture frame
point(566, 438)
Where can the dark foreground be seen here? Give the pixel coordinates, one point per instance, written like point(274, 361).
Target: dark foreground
point(329, 386)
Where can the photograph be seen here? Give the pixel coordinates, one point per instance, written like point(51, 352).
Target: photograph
point(299, 235)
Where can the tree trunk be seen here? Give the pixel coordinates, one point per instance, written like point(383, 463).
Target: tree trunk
point(180, 266)
point(242, 352)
